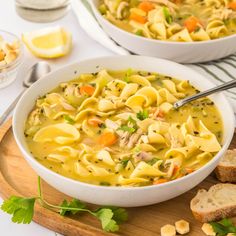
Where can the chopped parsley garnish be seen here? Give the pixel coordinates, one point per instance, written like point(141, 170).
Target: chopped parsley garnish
point(132, 121)
point(142, 115)
point(127, 128)
point(124, 163)
point(131, 127)
point(197, 29)
point(128, 73)
point(167, 15)
point(68, 119)
point(139, 32)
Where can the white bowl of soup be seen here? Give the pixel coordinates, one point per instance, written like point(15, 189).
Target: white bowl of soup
point(104, 130)
point(185, 32)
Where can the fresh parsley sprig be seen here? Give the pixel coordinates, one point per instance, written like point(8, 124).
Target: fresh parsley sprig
point(223, 227)
point(22, 210)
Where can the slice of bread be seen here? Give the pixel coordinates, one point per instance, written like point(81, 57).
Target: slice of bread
point(226, 169)
point(216, 203)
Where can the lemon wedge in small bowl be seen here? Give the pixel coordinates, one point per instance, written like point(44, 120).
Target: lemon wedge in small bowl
point(51, 42)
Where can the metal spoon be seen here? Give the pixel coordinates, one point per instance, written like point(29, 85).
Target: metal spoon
point(225, 86)
point(36, 72)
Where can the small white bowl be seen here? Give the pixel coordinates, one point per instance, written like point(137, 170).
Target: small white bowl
point(182, 52)
point(8, 72)
point(119, 196)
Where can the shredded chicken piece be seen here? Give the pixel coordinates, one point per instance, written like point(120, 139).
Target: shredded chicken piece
point(34, 118)
point(124, 139)
point(134, 138)
point(222, 14)
point(72, 89)
point(67, 106)
point(143, 156)
point(111, 124)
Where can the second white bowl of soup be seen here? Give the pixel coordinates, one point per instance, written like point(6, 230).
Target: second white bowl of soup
point(182, 31)
point(104, 130)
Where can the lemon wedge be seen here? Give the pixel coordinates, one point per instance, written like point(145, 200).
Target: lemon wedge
point(51, 42)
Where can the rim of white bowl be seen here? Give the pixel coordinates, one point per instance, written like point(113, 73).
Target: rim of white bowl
point(30, 157)
point(156, 40)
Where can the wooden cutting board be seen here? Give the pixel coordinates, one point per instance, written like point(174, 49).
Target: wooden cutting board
point(17, 178)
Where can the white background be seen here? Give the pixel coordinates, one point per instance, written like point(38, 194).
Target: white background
point(83, 47)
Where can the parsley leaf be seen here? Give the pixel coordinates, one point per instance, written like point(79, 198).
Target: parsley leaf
point(120, 215)
point(139, 32)
point(226, 222)
point(127, 128)
point(167, 15)
point(124, 163)
point(132, 121)
point(142, 115)
point(21, 209)
point(105, 216)
point(73, 204)
point(68, 119)
point(223, 227)
point(128, 73)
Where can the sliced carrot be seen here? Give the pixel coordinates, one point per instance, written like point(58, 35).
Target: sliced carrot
point(192, 23)
point(175, 170)
point(87, 90)
point(146, 6)
point(232, 5)
point(137, 18)
point(160, 114)
point(107, 139)
point(94, 121)
point(160, 181)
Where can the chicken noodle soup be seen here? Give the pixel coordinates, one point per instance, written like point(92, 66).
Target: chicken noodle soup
point(119, 128)
point(175, 20)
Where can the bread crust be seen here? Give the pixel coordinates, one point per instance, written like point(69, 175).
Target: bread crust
point(226, 173)
point(226, 169)
point(216, 214)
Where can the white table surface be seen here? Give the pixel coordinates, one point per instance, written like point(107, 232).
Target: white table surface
point(83, 47)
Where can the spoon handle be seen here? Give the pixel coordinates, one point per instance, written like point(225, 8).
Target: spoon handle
point(225, 86)
point(10, 108)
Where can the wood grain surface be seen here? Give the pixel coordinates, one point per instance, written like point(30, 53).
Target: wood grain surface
point(17, 178)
